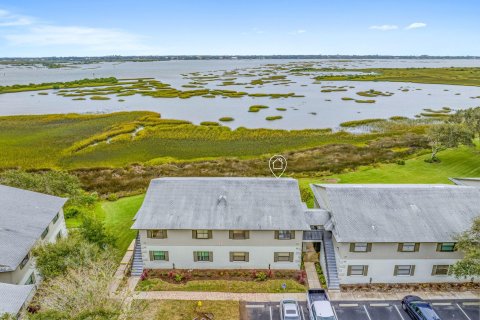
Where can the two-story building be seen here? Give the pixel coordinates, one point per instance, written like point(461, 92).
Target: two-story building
point(26, 219)
point(393, 233)
point(225, 223)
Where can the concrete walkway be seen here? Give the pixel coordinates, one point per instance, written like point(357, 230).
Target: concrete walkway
point(312, 276)
point(122, 269)
point(434, 295)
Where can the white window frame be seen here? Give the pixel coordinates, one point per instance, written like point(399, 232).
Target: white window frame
point(361, 274)
point(361, 245)
point(399, 267)
point(202, 234)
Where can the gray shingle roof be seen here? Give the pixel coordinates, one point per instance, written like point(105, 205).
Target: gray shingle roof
point(398, 213)
point(222, 204)
point(24, 215)
point(12, 297)
point(472, 182)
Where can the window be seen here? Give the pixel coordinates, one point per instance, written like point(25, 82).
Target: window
point(239, 256)
point(59, 235)
point(202, 234)
point(408, 247)
point(283, 257)
point(357, 270)
point(55, 219)
point(239, 234)
point(405, 270)
point(285, 234)
point(440, 270)
point(24, 261)
point(31, 279)
point(45, 232)
point(158, 255)
point(360, 247)
point(157, 234)
point(446, 247)
point(202, 256)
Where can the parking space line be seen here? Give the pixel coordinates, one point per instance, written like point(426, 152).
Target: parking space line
point(348, 305)
point(334, 312)
point(399, 313)
point(471, 303)
point(441, 303)
point(368, 315)
point(255, 306)
point(466, 315)
point(271, 317)
point(303, 315)
point(379, 305)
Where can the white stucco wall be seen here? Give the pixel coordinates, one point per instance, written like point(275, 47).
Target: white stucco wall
point(20, 276)
point(261, 247)
point(382, 259)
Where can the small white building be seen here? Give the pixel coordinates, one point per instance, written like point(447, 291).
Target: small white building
point(223, 223)
point(393, 233)
point(26, 218)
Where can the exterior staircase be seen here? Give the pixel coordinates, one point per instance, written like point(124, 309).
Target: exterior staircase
point(333, 282)
point(137, 264)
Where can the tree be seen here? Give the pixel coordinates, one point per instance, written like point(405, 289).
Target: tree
point(94, 231)
point(469, 117)
point(448, 135)
point(469, 243)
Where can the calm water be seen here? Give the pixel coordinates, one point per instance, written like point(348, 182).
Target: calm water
point(299, 110)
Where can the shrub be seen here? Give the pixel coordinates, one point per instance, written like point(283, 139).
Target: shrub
point(401, 162)
point(72, 212)
point(178, 277)
point(112, 197)
point(94, 231)
point(261, 276)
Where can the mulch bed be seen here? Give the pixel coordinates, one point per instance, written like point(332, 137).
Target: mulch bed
point(427, 287)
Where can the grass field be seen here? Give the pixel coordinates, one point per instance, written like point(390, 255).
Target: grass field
point(188, 310)
point(268, 286)
point(457, 76)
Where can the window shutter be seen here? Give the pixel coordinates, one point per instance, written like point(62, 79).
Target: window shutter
point(210, 256)
point(247, 256)
point(400, 247)
point(417, 247)
point(291, 257)
point(352, 247)
point(293, 234)
point(230, 234)
point(210, 234)
point(194, 234)
point(412, 270)
point(276, 234)
point(247, 234)
point(439, 247)
point(231, 256)
point(275, 257)
point(195, 256)
point(149, 233)
point(151, 255)
point(369, 247)
point(349, 271)
point(365, 270)
point(395, 271)
point(434, 270)
point(166, 255)
point(165, 234)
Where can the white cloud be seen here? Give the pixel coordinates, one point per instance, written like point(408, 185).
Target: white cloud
point(416, 25)
point(299, 31)
point(8, 19)
point(384, 27)
point(27, 31)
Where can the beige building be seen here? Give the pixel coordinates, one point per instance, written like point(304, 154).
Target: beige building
point(393, 233)
point(226, 223)
point(26, 218)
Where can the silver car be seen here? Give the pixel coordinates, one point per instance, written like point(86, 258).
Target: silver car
point(289, 310)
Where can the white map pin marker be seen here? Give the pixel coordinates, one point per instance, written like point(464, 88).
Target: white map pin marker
point(277, 165)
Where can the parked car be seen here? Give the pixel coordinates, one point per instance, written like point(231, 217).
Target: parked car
point(418, 309)
point(319, 306)
point(289, 310)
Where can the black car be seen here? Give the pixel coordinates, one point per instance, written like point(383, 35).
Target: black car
point(419, 309)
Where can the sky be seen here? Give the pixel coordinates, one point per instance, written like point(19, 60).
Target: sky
point(226, 27)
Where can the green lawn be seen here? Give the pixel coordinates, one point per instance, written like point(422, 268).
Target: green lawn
point(117, 217)
point(187, 310)
point(268, 286)
point(461, 162)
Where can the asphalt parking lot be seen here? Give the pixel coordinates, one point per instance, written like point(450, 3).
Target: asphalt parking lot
point(368, 310)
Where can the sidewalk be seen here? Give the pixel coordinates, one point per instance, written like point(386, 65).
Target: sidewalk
point(438, 295)
point(312, 276)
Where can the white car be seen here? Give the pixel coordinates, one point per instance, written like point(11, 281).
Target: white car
point(322, 310)
point(289, 310)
